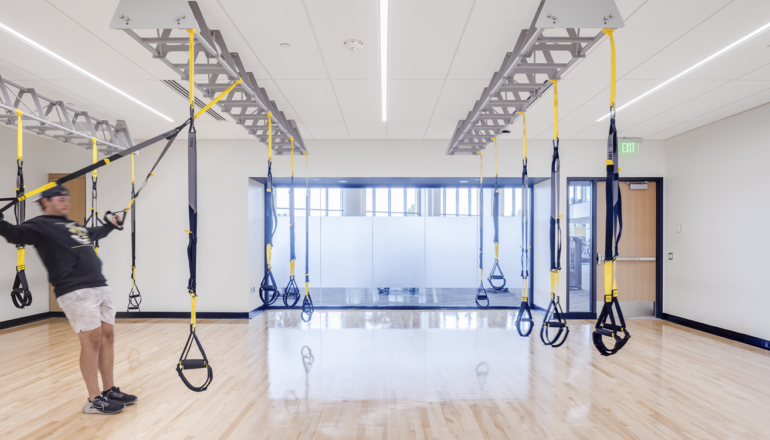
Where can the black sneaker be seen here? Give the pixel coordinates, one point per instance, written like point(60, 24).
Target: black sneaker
point(100, 405)
point(114, 395)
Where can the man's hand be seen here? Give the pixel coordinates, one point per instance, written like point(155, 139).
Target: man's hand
point(117, 219)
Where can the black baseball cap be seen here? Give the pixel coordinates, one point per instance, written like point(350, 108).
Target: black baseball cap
point(56, 191)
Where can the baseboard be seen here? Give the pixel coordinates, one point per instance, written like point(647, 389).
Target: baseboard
point(265, 308)
point(727, 334)
point(25, 320)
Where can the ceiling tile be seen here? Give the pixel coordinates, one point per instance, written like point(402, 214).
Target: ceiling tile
point(440, 129)
point(303, 131)
point(336, 21)
point(367, 130)
point(424, 36)
point(412, 100)
point(407, 130)
point(755, 100)
point(359, 99)
point(265, 25)
point(676, 130)
point(327, 130)
point(313, 100)
point(492, 31)
point(713, 100)
point(458, 98)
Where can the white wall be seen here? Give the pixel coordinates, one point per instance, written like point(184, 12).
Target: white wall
point(717, 190)
point(226, 267)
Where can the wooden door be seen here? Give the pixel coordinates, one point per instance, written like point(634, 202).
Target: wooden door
point(636, 278)
point(77, 189)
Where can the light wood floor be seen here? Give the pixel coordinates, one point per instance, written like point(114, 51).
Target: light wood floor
point(390, 375)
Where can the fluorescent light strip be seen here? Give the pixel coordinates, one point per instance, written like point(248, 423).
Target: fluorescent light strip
point(696, 66)
point(384, 57)
point(80, 70)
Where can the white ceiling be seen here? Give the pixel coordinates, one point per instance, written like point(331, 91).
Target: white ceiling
point(442, 54)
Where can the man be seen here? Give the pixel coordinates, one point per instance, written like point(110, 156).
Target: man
point(75, 272)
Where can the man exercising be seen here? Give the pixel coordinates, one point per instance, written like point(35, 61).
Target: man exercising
point(75, 271)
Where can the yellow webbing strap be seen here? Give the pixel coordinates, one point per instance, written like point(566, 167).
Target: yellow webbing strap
point(613, 76)
point(19, 137)
point(20, 259)
point(93, 148)
point(269, 136)
point(608, 281)
point(524, 121)
point(497, 251)
point(495, 139)
point(555, 109)
point(269, 253)
point(193, 305)
point(553, 283)
point(191, 74)
point(524, 292)
point(221, 95)
point(37, 191)
point(481, 180)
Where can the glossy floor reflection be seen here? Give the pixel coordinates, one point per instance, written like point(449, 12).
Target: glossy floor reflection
point(410, 298)
point(391, 374)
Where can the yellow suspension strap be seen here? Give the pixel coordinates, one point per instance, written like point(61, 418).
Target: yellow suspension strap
point(291, 292)
point(268, 290)
point(496, 273)
point(192, 246)
point(307, 302)
point(606, 324)
point(523, 320)
point(134, 295)
point(20, 294)
point(481, 293)
point(554, 316)
point(93, 219)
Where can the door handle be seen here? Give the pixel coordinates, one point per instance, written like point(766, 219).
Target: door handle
point(599, 258)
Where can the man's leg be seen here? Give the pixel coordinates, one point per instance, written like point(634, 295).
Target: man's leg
point(90, 342)
point(107, 356)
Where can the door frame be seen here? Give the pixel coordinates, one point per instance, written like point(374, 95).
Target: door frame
point(658, 243)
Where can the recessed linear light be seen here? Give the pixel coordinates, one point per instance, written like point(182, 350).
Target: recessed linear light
point(81, 70)
point(343, 181)
point(285, 45)
point(694, 67)
point(384, 57)
point(463, 181)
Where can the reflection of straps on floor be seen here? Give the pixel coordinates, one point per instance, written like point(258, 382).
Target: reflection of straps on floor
point(614, 217)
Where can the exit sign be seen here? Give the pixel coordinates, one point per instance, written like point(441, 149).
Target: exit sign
point(629, 145)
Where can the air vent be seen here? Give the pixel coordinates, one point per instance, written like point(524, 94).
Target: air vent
point(198, 103)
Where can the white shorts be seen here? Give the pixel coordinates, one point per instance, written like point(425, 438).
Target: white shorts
point(86, 309)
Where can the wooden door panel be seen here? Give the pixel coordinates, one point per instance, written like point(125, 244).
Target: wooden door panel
point(636, 279)
point(77, 189)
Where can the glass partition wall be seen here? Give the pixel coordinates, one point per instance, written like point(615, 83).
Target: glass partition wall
point(411, 247)
point(580, 245)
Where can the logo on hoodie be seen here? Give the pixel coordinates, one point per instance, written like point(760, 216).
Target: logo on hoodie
point(79, 233)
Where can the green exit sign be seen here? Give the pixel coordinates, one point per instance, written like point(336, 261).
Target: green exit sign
point(629, 146)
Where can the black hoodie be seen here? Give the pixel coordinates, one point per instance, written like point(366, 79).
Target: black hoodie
point(65, 247)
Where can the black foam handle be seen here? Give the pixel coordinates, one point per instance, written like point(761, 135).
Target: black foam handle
point(556, 324)
point(604, 332)
point(193, 364)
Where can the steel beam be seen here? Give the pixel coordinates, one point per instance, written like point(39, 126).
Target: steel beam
point(216, 68)
point(540, 55)
point(56, 120)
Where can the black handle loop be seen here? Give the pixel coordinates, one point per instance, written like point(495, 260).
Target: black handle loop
point(121, 219)
point(612, 330)
point(192, 364)
point(554, 319)
point(268, 291)
point(20, 293)
point(307, 308)
point(291, 293)
point(481, 297)
point(524, 322)
point(497, 274)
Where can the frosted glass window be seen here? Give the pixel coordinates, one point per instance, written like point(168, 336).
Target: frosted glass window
point(475, 202)
point(399, 251)
point(518, 202)
point(335, 199)
point(450, 201)
point(397, 200)
point(369, 202)
point(381, 200)
point(463, 201)
point(412, 207)
point(451, 252)
point(346, 252)
point(507, 202)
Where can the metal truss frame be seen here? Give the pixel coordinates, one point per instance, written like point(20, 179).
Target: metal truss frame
point(247, 103)
point(59, 121)
point(523, 77)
